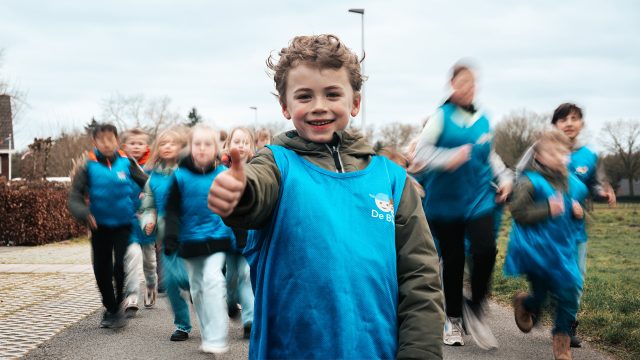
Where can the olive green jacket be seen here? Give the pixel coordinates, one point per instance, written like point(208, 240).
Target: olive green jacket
point(420, 299)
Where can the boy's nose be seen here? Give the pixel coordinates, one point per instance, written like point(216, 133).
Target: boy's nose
point(319, 105)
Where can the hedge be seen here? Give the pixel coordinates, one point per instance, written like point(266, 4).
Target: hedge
point(36, 213)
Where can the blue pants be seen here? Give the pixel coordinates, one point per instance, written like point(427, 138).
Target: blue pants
point(175, 280)
point(581, 258)
point(566, 298)
point(209, 294)
point(239, 286)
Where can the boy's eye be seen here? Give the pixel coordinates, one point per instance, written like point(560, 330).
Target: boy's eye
point(303, 97)
point(333, 94)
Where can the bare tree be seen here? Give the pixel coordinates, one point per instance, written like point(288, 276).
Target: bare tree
point(622, 140)
point(516, 132)
point(153, 115)
point(397, 134)
point(18, 96)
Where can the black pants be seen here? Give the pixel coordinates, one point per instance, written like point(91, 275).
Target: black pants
point(451, 237)
point(109, 245)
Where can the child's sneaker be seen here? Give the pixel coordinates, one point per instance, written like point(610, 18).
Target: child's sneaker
point(474, 321)
point(119, 320)
point(106, 321)
point(233, 310)
point(179, 335)
point(150, 296)
point(131, 306)
point(523, 317)
point(247, 330)
point(213, 349)
point(452, 334)
point(575, 340)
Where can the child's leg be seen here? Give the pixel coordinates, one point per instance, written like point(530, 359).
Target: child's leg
point(451, 237)
point(244, 289)
point(231, 276)
point(566, 309)
point(120, 244)
point(102, 255)
point(483, 248)
point(132, 266)
point(208, 290)
point(581, 258)
point(175, 279)
point(537, 294)
point(149, 264)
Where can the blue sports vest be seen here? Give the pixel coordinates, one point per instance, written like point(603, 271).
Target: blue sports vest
point(547, 249)
point(197, 222)
point(110, 190)
point(160, 184)
point(324, 269)
point(466, 193)
point(137, 233)
point(583, 165)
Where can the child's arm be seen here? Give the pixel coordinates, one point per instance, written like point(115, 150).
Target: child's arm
point(599, 185)
point(429, 156)
point(77, 194)
point(172, 219)
point(257, 199)
point(504, 175)
point(524, 208)
point(137, 174)
point(420, 300)
point(148, 210)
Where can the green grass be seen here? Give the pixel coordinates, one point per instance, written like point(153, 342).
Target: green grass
point(610, 310)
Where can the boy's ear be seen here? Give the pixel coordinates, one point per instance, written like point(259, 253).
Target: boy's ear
point(355, 108)
point(285, 112)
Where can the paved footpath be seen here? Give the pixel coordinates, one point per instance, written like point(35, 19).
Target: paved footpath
point(55, 315)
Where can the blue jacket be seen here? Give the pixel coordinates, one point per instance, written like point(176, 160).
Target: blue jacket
point(110, 189)
point(465, 193)
point(189, 222)
point(331, 234)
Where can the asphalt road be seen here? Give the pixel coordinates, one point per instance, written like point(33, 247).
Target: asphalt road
point(147, 337)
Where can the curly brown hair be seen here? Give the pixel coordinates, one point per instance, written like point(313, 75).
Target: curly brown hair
point(322, 51)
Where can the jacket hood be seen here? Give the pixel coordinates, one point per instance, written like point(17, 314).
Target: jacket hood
point(350, 143)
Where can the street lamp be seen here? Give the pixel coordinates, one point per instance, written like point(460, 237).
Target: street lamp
point(364, 118)
point(255, 109)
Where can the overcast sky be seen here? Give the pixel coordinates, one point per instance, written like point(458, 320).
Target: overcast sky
point(69, 56)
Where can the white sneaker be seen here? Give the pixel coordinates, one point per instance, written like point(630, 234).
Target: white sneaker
point(213, 349)
point(478, 329)
point(131, 306)
point(150, 296)
point(452, 334)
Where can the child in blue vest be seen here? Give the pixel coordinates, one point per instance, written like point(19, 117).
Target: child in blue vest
point(162, 164)
point(342, 264)
point(455, 162)
point(584, 165)
point(238, 281)
point(545, 204)
point(141, 253)
point(105, 179)
point(200, 237)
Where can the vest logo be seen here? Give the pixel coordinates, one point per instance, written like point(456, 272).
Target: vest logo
point(581, 170)
point(122, 176)
point(385, 206)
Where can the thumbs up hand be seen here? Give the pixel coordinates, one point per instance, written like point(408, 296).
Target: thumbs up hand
point(227, 187)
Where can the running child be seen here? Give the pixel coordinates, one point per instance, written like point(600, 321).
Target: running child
point(141, 253)
point(239, 289)
point(200, 237)
point(543, 238)
point(162, 163)
point(343, 264)
point(105, 179)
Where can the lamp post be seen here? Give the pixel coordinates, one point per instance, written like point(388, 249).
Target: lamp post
point(255, 109)
point(362, 108)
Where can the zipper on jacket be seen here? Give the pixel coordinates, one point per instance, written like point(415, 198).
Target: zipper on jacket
point(335, 153)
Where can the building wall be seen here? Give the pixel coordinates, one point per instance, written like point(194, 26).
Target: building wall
point(4, 165)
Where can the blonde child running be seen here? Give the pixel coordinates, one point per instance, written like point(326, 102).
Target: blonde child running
point(238, 279)
point(200, 237)
point(162, 164)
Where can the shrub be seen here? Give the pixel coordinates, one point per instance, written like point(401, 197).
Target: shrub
point(35, 213)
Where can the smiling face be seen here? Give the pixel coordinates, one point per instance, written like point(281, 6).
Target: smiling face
point(319, 101)
point(464, 88)
point(203, 147)
point(571, 125)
